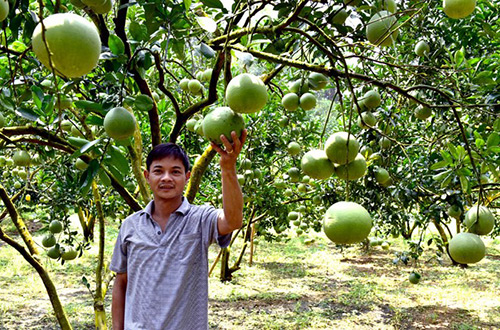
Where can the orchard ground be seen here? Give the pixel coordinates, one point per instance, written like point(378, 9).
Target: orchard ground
point(291, 285)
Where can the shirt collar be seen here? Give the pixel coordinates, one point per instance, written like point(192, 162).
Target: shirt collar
point(182, 209)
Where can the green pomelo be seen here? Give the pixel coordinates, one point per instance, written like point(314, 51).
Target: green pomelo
point(73, 41)
point(75, 131)
point(353, 170)
point(294, 174)
point(366, 151)
point(458, 8)
point(17, 184)
point(55, 227)
point(422, 48)
point(191, 124)
point(222, 121)
point(21, 158)
point(384, 143)
point(316, 200)
point(54, 252)
point(455, 211)
point(340, 15)
point(347, 223)
point(246, 164)
point(290, 101)
point(91, 3)
point(293, 148)
point(307, 101)
point(299, 86)
point(104, 8)
point(316, 164)
point(482, 225)
point(66, 125)
point(69, 254)
point(293, 215)
point(207, 75)
point(390, 6)
point(414, 278)
point(48, 240)
point(4, 9)
point(302, 188)
point(241, 179)
point(467, 248)
point(194, 86)
point(381, 175)
point(317, 81)
point(81, 165)
point(369, 120)
point(183, 84)
point(246, 93)
point(381, 29)
point(371, 99)
point(22, 174)
point(341, 148)
point(119, 123)
point(77, 3)
point(422, 112)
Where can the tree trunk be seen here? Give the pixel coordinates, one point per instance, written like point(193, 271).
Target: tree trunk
point(100, 313)
point(59, 312)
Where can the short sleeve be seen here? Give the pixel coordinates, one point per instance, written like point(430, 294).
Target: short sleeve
point(119, 260)
point(210, 229)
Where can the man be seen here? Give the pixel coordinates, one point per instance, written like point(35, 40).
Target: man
point(161, 253)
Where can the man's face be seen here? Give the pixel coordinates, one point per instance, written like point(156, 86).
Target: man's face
point(167, 178)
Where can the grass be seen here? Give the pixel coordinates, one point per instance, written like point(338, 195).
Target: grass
point(290, 286)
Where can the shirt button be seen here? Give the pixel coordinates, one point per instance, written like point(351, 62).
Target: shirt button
point(159, 233)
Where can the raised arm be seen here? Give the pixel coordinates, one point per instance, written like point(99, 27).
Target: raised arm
point(232, 197)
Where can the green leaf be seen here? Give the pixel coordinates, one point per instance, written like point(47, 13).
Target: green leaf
point(213, 4)
point(480, 143)
point(118, 160)
point(207, 51)
point(439, 165)
point(178, 47)
point(27, 113)
point(116, 45)
point(84, 104)
point(143, 102)
point(446, 156)
point(464, 183)
point(138, 31)
point(441, 176)
point(187, 4)
point(459, 56)
point(207, 24)
point(88, 176)
point(88, 146)
point(38, 96)
point(116, 174)
point(447, 181)
point(103, 176)
point(453, 150)
point(493, 140)
point(484, 78)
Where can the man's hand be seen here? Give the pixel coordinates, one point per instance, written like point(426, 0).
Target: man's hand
point(229, 154)
point(232, 197)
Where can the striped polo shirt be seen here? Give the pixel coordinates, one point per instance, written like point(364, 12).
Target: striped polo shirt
point(167, 271)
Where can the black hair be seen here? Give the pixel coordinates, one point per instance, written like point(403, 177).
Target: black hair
point(169, 149)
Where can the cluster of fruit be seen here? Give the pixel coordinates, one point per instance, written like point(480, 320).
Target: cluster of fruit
point(245, 94)
point(55, 250)
point(299, 94)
